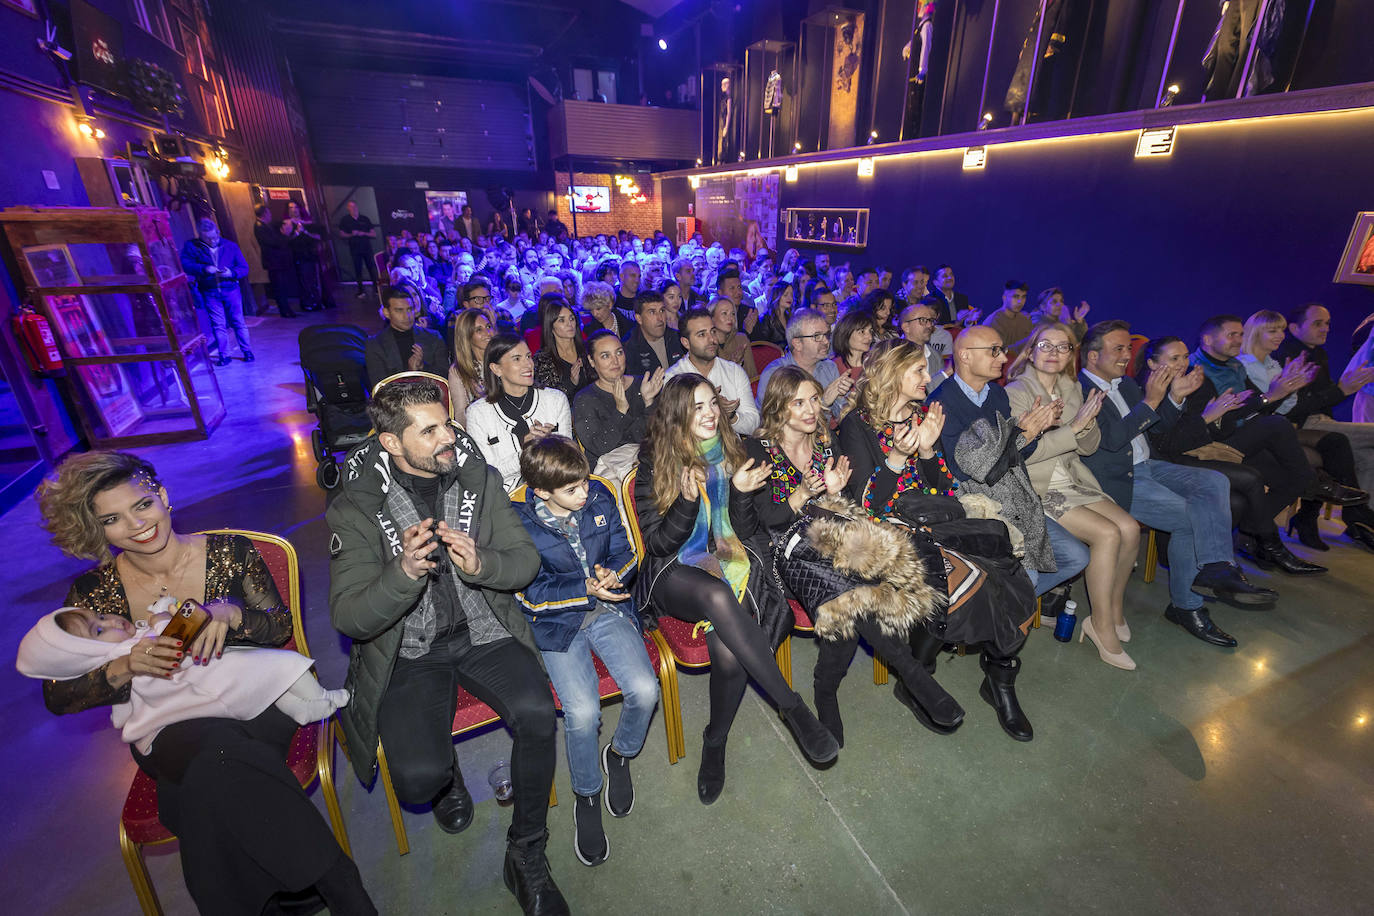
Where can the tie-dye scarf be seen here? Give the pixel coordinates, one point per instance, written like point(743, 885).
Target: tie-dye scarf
point(729, 562)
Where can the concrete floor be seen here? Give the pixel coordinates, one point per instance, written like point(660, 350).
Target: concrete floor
point(1208, 781)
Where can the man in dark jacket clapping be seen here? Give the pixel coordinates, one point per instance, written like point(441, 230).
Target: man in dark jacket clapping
point(426, 554)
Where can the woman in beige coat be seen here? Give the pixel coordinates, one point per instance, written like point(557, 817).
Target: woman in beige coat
point(1044, 373)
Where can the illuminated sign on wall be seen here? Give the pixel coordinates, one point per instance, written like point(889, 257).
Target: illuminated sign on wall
point(866, 167)
point(791, 173)
point(1155, 141)
point(975, 157)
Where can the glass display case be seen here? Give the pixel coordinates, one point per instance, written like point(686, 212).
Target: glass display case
point(832, 68)
point(844, 227)
point(109, 282)
point(722, 123)
point(770, 98)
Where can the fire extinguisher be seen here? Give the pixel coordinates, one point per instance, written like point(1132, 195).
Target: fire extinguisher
point(35, 336)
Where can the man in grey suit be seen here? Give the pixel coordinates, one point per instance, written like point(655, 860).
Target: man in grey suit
point(400, 346)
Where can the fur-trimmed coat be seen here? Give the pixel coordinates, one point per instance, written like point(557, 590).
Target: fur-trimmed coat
point(874, 567)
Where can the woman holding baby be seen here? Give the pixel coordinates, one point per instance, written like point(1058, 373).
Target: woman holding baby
point(250, 838)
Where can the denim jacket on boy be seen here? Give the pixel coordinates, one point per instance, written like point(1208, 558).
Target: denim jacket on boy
point(556, 602)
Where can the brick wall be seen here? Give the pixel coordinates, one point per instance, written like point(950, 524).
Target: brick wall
point(643, 219)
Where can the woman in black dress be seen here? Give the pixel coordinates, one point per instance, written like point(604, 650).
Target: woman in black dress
point(248, 832)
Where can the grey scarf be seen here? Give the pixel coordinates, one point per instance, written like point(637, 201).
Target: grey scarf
point(398, 513)
point(979, 452)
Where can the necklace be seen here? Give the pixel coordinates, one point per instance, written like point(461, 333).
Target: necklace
point(910, 477)
point(785, 477)
point(163, 586)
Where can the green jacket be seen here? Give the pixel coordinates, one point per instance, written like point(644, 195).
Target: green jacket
point(370, 596)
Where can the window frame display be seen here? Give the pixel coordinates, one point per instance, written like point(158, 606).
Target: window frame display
point(856, 216)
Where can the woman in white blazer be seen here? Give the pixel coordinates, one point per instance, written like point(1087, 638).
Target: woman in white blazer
point(514, 411)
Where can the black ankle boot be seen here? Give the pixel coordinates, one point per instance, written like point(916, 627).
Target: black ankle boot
point(930, 703)
point(999, 690)
point(1303, 525)
point(711, 775)
point(814, 739)
point(828, 711)
point(527, 877)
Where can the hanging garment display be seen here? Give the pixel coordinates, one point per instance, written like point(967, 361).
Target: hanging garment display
point(772, 93)
point(1230, 46)
point(916, 53)
point(844, 86)
point(1053, 37)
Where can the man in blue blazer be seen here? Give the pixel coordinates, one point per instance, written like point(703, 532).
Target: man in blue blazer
point(1192, 504)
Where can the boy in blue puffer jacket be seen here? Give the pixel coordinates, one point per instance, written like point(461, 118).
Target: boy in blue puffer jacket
point(577, 605)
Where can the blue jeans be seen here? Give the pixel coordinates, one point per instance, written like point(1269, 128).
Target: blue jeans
point(619, 645)
point(225, 308)
point(1194, 506)
point(1070, 558)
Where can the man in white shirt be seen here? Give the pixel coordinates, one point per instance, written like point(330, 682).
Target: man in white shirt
point(697, 331)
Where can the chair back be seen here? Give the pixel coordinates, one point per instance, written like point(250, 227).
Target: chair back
point(415, 376)
point(627, 505)
point(284, 566)
point(764, 352)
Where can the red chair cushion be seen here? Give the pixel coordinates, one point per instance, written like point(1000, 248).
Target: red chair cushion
point(800, 619)
point(140, 806)
point(471, 713)
point(689, 651)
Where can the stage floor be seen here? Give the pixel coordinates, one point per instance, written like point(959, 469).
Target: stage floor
point(1208, 781)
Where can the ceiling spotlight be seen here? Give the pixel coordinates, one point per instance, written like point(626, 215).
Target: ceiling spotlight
point(1169, 95)
point(872, 137)
point(741, 157)
point(796, 147)
point(663, 44)
point(698, 160)
point(985, 120)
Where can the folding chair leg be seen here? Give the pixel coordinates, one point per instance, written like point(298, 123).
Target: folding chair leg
point(553, 796)
point(324, 768)
point(397, 826)
point(668, 700)
point(784, 656)
point(1151, 557)
point(138, 875)
point(1035, 621)
point(879, 671)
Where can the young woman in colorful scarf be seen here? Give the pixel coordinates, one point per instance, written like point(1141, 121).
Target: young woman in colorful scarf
point(707, 562)
point(892, 442)
point(794, 443)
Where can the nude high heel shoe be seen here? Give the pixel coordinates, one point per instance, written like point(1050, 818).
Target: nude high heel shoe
point(1115, 659)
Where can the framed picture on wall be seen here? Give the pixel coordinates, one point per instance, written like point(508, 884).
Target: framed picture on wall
point(1357, 262)
point(27, 7)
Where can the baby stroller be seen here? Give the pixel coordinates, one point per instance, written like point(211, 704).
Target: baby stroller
point(336, 392)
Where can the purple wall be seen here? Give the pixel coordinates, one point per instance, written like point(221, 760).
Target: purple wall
point(1243, 216)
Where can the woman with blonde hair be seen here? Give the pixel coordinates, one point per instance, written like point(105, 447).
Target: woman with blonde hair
point(892, 441)
point(1044, 373)
point(1264, 332)
point(472, 331)
point(707, 562)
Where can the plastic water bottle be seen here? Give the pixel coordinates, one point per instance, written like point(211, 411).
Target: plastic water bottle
point(1063, 624)
point(500, 781)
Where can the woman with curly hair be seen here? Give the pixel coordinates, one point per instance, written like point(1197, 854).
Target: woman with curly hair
point(892, 441)
point(707, 562)
point(247, 830)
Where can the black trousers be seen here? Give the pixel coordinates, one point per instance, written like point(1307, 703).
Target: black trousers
point(416, 721)
point(834, 656)
point(280, 283)
point(363, 259)
point(308, 283)
point(247, 829)
point(1252, 509)
point(1270, 445)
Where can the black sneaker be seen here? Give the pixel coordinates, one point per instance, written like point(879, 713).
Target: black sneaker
point(248, 356)
point(620, 790)
point(589, 840)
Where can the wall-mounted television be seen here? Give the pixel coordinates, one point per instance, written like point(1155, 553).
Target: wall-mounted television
point(590, 198)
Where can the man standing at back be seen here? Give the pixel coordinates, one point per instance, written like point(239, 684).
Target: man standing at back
point(359, 233)
point(216, 265)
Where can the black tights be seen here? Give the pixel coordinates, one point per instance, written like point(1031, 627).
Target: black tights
point(739, 650)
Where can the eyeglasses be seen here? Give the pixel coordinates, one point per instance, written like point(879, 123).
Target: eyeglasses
point(823, 335)
point(919, 320)
point(480, 300)
point(995, 351)
point(1045, 346)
